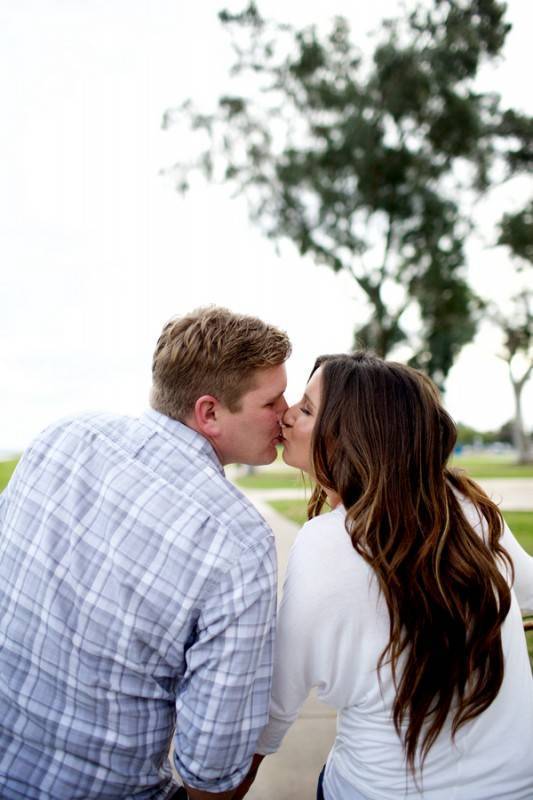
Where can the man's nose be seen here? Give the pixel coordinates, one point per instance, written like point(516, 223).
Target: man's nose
point(282, 408)
point(286, 418)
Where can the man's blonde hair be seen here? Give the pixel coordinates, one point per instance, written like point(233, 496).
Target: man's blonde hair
point(212, 351)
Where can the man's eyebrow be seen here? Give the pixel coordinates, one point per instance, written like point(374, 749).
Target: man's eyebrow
point(276, 397)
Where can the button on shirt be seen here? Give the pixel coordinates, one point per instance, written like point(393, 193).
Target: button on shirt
point(137, 595)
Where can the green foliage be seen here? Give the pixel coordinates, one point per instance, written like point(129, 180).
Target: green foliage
point(516, 232)
point(518, 129)
point(469, 436)
point(504, 434)
point(355, 162)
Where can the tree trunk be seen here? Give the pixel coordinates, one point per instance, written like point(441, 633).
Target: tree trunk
point(520, 438)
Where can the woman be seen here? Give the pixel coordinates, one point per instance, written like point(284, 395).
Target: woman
point(402, 604)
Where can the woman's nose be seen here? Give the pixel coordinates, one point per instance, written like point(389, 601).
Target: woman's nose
point(287, 418)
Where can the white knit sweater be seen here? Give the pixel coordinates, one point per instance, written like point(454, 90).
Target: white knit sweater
point(333, 626)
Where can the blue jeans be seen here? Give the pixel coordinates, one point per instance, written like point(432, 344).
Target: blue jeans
point(319, 789)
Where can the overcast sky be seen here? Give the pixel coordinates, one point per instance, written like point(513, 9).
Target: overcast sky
point(96, 248)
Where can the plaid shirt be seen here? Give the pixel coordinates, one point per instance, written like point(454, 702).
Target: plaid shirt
point(137, 595)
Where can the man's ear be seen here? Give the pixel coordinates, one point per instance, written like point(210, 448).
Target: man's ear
point(207, 416)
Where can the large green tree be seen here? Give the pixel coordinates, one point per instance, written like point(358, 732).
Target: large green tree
point(361, 163)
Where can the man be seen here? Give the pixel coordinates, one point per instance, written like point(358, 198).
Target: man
point(137, 585)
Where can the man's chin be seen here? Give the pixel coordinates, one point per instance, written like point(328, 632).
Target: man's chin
point(268, 459)
point(265, 458)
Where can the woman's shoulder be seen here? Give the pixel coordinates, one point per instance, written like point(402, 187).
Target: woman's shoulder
point(325, 536)
point(472, 513)
point(329, 522)
point(323, 556)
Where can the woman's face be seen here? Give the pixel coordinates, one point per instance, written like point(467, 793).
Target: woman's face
point(298, 423)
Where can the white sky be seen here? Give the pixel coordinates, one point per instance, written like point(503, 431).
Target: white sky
point(96, 248)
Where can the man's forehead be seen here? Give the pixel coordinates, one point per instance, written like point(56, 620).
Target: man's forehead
point(270, 380)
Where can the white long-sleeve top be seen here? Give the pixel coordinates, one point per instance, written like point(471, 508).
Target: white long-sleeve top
point(333, 626)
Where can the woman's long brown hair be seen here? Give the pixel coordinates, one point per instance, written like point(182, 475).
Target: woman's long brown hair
point(382, 441)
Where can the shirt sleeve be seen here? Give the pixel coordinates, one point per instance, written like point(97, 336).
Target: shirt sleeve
point(223, 700)
point(311, 636)
point(523, 570)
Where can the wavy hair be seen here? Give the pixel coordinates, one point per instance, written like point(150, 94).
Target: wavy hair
point(382, 441)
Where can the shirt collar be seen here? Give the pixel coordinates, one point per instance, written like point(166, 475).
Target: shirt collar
point(185, 435)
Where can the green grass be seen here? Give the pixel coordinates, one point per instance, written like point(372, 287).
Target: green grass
point(295, 510)
point(6, 470)
point(271, 479)
point(521, 524)
point(492, 467)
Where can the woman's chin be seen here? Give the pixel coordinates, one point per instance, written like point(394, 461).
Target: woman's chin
point(286, 457)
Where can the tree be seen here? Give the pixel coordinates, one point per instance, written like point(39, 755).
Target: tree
point(504, 434)
point(467, 435)
point(516, 233)
point(471, 436)
point(517, 329)
point(361, 164)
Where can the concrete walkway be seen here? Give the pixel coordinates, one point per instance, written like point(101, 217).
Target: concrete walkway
point(511, 494)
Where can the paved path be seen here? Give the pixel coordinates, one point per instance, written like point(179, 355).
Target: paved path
point(511, 494)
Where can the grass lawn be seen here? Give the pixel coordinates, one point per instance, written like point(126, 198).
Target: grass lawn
point(295, 510)
point(492, 467)
point(521, 524)
point(6, 468)
point(272, 479)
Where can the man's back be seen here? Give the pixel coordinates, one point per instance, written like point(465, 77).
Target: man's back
point(134, 581)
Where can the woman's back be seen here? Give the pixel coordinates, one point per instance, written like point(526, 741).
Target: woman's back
point(334, 625)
